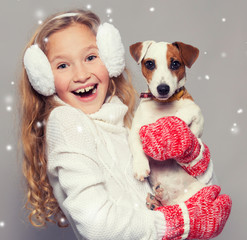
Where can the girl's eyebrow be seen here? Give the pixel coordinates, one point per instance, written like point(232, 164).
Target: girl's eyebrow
point(92, 46)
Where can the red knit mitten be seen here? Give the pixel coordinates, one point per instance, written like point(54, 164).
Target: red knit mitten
point(170, 137)
point(203, 216)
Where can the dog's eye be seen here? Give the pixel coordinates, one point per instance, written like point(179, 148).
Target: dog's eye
point(150, 65)
point(175, 65)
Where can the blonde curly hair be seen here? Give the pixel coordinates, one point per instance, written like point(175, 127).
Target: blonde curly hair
point(35, 110)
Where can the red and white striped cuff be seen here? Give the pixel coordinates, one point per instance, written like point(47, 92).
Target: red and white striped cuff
point(199, 165)
point(177, 221)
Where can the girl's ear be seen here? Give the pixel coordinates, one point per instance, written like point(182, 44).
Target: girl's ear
point(188, 53)
point(39, 71)
point(111, 49)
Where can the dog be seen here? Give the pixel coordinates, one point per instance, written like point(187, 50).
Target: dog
point(163, 65)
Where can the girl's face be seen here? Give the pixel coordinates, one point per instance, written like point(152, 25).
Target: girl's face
point(81, 78)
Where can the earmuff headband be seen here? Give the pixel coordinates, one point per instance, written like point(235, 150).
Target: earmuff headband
point(111, 52)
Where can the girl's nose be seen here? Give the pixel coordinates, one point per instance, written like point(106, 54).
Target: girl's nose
point(81, 73)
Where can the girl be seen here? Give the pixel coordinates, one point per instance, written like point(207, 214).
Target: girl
point(76, 107)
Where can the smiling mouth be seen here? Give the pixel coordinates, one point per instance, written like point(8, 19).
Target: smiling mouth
point(86, 92)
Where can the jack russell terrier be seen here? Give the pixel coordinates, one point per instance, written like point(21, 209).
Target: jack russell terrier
point(163, 65)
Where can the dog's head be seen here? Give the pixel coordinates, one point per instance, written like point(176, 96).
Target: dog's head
point(163, 65)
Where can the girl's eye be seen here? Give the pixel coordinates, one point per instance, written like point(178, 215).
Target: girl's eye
point(91, 57)
point(62, 66)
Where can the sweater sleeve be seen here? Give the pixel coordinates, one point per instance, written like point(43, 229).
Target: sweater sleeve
point(72, 160)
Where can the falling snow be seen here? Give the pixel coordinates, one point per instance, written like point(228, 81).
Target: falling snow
point(235, 129)
point(240, 110)
point(2, 224)
point(8, 147)
point(9, 108)
point(152, 9)
point(223, 55)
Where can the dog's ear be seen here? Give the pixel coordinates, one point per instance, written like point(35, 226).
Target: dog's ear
point(188, 53)
point(139, 49)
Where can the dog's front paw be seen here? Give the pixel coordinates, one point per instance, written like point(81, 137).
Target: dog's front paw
point(141, 170)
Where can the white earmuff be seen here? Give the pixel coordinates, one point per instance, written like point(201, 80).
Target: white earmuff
point(39, 71)
point(111, 49)
point(111, 52)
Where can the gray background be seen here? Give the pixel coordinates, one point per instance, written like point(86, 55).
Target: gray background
point(217, 81)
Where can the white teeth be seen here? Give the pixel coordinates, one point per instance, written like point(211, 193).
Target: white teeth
point(94, 91)
point(87, 89)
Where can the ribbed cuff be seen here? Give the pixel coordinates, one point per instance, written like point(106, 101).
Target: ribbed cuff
point(199, 165)
point(160, 224)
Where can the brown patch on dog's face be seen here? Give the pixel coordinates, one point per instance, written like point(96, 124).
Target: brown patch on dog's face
point(148, 68)
point(175, 62)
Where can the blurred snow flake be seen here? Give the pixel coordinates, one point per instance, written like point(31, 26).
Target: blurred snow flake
point(223, 55)
point(152, 9)
point(89, 6)
point(223, 19)
point(8, 147)
point(8, 99)
point(207, 77)
point(9, 108)
point(108, 11)
point(240, 110)
point(2, 224)
point(39, 124)
point(235, 129)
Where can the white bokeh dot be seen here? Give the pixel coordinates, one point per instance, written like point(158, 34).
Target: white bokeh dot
point(240, 110)
point(40, 22)
point(89, 6)
point(108, 10)
point(110, 20)
point(234, 129)
point(39, 13)
point(2, 224)
point(12, 83)
point(223, 19)
point(152, 9)
point(207, 77)
point(8, 108)
point(8, 99)
point(39, 124)
point(223, 55)
point(9, 147)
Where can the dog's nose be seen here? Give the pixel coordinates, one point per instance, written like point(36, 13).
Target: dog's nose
point(163, 89)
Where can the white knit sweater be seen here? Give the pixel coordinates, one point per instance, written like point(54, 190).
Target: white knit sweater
point(90, 170)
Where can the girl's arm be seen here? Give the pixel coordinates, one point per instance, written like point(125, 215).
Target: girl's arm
point(79, 184)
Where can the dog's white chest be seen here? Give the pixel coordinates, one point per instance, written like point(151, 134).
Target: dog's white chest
point(149, 110)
